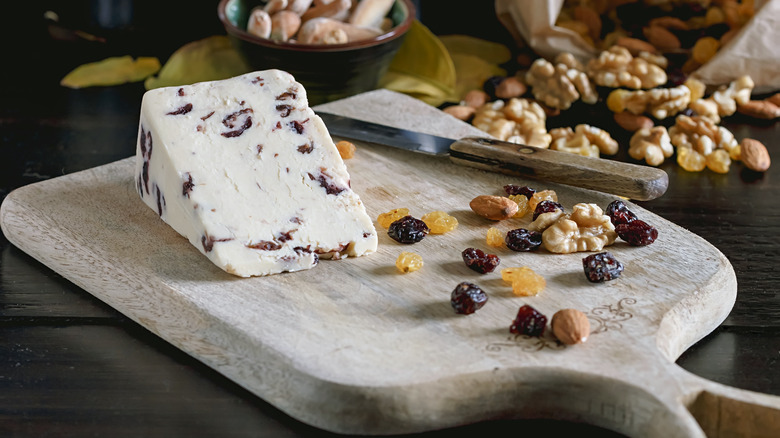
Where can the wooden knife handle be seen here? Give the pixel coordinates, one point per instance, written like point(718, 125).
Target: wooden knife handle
point(633, 181)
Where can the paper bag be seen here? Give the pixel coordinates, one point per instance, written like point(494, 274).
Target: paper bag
point(755, 50)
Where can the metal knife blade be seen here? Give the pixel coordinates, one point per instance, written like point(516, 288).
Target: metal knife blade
point(633, 181)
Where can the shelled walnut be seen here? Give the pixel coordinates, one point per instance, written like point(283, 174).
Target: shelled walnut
point(601, 138)
point(586, 228)
point(737, 92)
point(585, 140)
point(564, 139)
point(725, 100)
point(701, 143)
point(658, 102)
point(616, 67)
point(701, 135)
point(517, 120)
point(544, 220)
point(560, 83)
point(651, 144)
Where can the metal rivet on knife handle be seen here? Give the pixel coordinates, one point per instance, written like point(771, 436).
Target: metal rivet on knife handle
point(634, 181)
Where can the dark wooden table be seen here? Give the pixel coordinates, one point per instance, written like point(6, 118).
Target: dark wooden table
point(72, 366)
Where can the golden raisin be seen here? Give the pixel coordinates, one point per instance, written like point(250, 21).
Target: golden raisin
point(735, 153)
point(385, 219)
point(508, 273)
point(714, 15)
point(495, 237)
point(522, 205)
point(525, 282)
point(346, 149)
point(408, 262)
point(439, 222)
point(690, 160)
point(718, 161)
point(543, 195)
point(615, 100)
point(697, 88)
point(704, 49)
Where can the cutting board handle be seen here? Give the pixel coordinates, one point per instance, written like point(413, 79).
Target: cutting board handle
point(723, 411)
point(653, 397)
point(633, 181)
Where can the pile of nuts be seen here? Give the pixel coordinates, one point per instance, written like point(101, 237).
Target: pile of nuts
point(587, 228)
point(664, 118)
point(320, 21)
point(695, 29)
point(647, 49)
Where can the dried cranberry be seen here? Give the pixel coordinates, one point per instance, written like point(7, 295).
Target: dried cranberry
point(521, 239)
point(408, 230)
point(528, 321)
point(512, 189)
point(676, 77)
point(619, 213)
point(637, 232)
point(601, 267)
point(467, 298)
point(326, 182)
point(546, 207)
point(184, 109)
point(477, 260)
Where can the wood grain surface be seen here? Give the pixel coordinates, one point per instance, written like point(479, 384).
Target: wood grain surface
point(353, 346)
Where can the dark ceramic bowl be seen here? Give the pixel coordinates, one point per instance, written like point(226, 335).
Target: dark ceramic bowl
point(327, 71)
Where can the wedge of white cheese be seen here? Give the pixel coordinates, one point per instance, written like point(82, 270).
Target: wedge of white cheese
point(249, 174)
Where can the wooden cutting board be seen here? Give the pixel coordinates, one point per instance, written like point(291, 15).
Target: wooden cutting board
point(354, 346)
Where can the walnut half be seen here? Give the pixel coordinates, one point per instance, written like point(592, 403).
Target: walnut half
point(516, 120)
point(584, 140)
point(616, 67)
point(652, 145)
point(560, 83)
point(586, 228)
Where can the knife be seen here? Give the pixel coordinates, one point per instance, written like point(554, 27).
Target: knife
point(633, 181)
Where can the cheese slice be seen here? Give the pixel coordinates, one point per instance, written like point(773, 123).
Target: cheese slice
point(249, 174)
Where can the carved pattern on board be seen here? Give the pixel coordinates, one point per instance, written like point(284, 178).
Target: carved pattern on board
point(610, 316)
point(602, 319)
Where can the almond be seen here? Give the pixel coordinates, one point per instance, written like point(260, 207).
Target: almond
point(661, 38)
point(635, 45)
point(670, 23)
point(494, 207)
point(570, 326)
point(510, 87)
point(760, 109)
point(754, 155)
point(633, 122)
point(591, 18)
point(461, 112)
point(475, 98)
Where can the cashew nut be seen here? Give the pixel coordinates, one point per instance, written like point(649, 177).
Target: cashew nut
point(284, 24)
point(317, 30)
point(259, 23)
point(369, 13)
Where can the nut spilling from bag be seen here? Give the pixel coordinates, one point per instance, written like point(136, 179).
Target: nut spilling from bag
point(659, 108)
point(696, 29)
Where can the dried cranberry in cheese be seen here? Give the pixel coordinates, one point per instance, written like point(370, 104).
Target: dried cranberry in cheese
point(246, 171)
